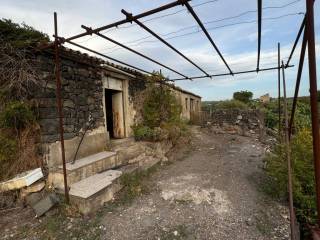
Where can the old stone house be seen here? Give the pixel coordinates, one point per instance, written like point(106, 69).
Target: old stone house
point(94, 91)
point(100, 97)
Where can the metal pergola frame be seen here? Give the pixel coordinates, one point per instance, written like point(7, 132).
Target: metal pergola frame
point(308, 40)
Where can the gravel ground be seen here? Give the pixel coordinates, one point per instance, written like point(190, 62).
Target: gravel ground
point(210, 191)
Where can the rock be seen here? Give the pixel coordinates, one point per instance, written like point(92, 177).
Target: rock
point(33, 198)
point(35, 187)
point(249, 222)
point(45, 204)
point(68, 103)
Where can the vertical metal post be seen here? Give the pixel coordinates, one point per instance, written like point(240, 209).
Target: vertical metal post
point(288, 153)
point(259, 3)
point(59, 106)
point(279, 93)
point(313, 97)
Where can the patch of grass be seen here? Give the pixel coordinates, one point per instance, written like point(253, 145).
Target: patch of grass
point(62, 224)
point(264, 223)
point(133, 184)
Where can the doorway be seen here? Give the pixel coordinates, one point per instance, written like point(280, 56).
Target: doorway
point(114, 113)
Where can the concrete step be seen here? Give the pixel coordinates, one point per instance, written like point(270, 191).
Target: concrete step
point(84, 168)
point(89, 194)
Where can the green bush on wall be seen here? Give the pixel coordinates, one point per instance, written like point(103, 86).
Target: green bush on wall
point(161, 113)
point(160, 106)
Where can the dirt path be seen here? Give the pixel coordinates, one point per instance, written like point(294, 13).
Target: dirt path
point(210, 191)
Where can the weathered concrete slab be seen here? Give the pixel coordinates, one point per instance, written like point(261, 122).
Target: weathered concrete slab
point(45, 204)
point(92, 193)
point(22, 180)
point(84, 168)
point(92, 185)
point(88, 160)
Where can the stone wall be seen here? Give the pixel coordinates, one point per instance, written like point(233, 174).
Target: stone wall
point(249, 119)
point(82, 98)
point(81, 94)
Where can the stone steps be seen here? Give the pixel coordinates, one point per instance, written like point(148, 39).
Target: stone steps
point(84, 168)
point(120, 143)
point(89, 194)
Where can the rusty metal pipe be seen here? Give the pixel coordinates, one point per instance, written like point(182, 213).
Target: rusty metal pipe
point(228, 74)
point(132, 18)
point(296, 91)
point(296, 40)
point(279, 94)
point(313, 98)
point(259, 32)
point(134, 51)
point(195, 16)
point(288, 155)
point(59, 107)
point(121, 22)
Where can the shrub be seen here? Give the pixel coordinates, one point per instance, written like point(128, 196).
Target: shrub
point(303, 175)
point(160, 105)
point(142, 132)
point(20, 35)
point(230, 104)
point(8, 148)
point(16, 115)
point(243, 96)
point(174, 131)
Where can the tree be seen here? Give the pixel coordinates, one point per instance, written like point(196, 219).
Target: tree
point(243, 96)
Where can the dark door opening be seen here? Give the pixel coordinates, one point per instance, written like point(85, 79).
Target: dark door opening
point(109, 112)
point(114, 113)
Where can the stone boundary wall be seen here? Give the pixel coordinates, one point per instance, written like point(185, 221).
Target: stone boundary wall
point(250, 119)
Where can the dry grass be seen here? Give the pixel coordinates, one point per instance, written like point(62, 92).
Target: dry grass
point(18, 75)
point(27, 156)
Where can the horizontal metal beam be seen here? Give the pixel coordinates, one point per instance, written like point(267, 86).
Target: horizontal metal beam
point(297, 39)
point(105, 56)
point(89, 30)
point(133, 18)
point(121, 22)
point(195, 16)
point(228, 74)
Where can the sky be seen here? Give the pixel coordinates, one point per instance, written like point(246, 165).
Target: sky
point(231, 24)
